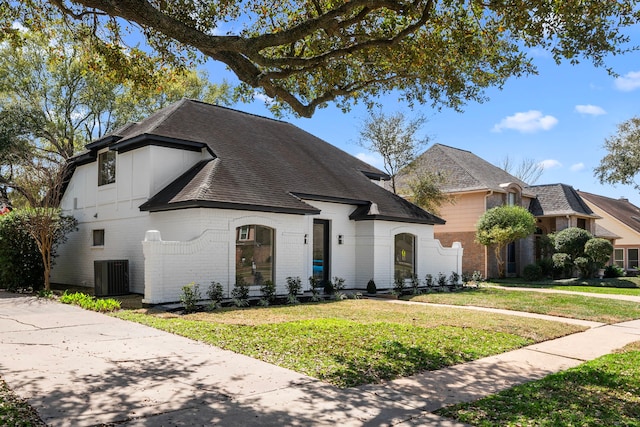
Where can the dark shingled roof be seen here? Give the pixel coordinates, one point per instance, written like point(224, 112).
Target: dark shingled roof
point(259, 164)
point(463, 170)
point(620, 209)
point(558, 200)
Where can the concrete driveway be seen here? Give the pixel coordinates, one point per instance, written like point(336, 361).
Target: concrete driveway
point(80, 368)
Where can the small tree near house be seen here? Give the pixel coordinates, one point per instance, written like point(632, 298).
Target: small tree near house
point(48, 228)
point(502, 225)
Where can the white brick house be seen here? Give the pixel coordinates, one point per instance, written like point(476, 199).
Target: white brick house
point(200, 193)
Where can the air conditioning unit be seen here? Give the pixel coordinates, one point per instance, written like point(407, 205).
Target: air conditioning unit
point(111, 277)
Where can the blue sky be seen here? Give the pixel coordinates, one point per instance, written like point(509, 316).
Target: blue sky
point(559, 117)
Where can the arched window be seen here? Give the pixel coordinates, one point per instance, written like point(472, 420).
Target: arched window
point(254, 253)
point(404, 256)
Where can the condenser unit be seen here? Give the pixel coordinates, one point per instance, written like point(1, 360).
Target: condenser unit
point(111, 277)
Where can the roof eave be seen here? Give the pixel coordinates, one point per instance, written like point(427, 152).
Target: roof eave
point(207, 204)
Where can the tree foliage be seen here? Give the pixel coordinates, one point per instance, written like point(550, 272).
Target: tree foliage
point(56, 96)
point(426, 190)
point(578, 248)
point(306, 53)
point(502, 225)
point(599, 251)
point(394, 138)
point(571, 241)
point(20, 260)
point(621, 164)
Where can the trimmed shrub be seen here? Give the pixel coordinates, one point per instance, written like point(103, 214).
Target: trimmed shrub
point(546, 267)
point(612, 271)
point(371, 287)
point(190, 297)
point(532, 273)
point(268, 290)
point(20, 260)
point(294, 285)
point(215, 294)
point(240, 292)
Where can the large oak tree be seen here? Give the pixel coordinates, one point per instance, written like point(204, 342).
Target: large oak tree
point(305, 53)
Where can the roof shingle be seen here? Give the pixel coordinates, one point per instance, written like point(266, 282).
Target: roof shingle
point(262, 164)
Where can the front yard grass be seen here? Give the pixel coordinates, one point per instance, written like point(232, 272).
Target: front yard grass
point(553, 304)
point(615, 286)
point(603, 392)
point(356, 342)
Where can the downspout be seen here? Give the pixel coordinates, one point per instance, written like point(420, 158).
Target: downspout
point(486, 248)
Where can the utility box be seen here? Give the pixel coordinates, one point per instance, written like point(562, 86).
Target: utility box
point(111, 277)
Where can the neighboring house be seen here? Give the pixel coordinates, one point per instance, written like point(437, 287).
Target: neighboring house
point(559, 206)
point(622, 219)
point(200, 193)
point(477, 186)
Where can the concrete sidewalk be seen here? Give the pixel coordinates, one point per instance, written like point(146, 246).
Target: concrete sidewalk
point(631, 298)
point(79, 368)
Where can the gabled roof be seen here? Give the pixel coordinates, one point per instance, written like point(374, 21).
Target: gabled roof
point(463, 170)
point(620, 209)
point(260, 164)
point(558, 200)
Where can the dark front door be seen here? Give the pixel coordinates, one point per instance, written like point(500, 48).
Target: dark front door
point(321, 267)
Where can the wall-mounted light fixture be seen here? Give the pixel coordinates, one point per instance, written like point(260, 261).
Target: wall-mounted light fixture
point(306, 239)
point(340, 239)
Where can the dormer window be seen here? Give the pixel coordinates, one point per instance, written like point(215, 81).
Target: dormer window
point(106, 168)
point(511, 199)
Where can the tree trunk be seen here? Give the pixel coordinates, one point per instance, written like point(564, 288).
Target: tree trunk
point(498, 253)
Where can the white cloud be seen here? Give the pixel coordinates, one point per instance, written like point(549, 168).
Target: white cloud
point(531, 121)
point(577, 167)
point(628, 82)
point(550, 164)
point(592, 110)
point(372, 159)
point(262, 97)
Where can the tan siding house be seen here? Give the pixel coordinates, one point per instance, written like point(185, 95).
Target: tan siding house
point(622, 219)
point(476, 186)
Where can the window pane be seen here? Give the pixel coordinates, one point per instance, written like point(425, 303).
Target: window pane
point(106, 167)
point(618, 257)
point(633, 258)
point(254, 253)
point(98, 237)
point(404, 261)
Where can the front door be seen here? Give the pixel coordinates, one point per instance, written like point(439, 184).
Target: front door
point(321, 267)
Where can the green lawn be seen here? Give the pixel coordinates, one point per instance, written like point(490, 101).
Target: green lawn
point(563, 305)
point(603, 392)
point(355, 342)
point(617, 286)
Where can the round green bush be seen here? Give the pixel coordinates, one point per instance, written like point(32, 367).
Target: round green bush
point(532, 273)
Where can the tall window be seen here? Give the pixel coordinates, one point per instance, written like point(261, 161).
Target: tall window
point(106, 168)
point(405, 256)
point(511, 199)
point(581, 223)
point(254, 254)
point(632, 258)
point(618, 257)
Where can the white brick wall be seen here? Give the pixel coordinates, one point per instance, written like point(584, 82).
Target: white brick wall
point(198, 245)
